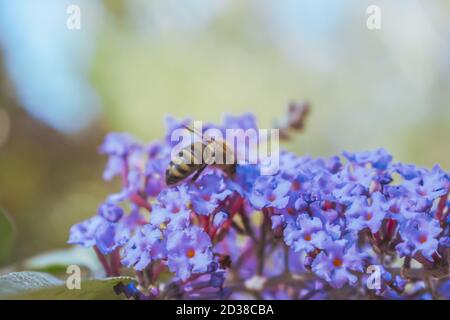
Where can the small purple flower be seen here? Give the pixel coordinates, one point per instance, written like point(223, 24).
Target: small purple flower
point(84, 233)
point(290, 164)
point(207, 193)
point(356, 175)
point(302, 192)
point(336, 261)
point(430, 185)
point(270, 191)
point(133, 184)
point(245, 178)
point(403, 208)
point(110, 212)
point(366, 213)
point(189, 251)
point(174, 198)
point(407, 171)
point(158, 160)
point(379, 158)
point(326, 210)
point(114, 167)
point(172, 208)
point(173, 220)
point(118, 144)
point(96, 231)
point(146, 245)
point(419, 235)
point(244, 121)
point(333, 164)
point(106, 235)
point(306, 233)
point(122, 149)
point(113, 235)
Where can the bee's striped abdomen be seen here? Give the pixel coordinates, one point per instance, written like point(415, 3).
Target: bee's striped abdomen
point(188, 160)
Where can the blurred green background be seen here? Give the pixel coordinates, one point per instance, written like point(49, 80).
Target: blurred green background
point(134, 61)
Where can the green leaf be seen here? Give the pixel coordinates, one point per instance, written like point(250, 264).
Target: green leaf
point(57, 261)
point(7, 233)
point(18, 282)
point(36, 285)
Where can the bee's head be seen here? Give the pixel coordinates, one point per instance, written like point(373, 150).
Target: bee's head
point(172, 179)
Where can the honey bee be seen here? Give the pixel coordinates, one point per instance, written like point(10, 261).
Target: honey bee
point(195, 158)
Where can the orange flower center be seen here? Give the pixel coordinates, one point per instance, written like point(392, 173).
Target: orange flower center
point(422, 192)
point(295, 185)
point(271, 197)
point(307, 237)
point(394, 209)
point(175, 209)
point(337, 262)
point(190, 253)
point(423, 238)
point(369, 216)
point(327, 205)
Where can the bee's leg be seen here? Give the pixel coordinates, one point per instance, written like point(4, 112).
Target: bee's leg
point(198, 173)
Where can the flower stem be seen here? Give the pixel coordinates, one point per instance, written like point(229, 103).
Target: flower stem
point(103, 261)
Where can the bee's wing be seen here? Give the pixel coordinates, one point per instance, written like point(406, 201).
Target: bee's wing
point(204, 137)
point(219, 145)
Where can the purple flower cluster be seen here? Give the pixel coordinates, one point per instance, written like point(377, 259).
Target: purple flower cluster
point(314, 226)
point(348, 215)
